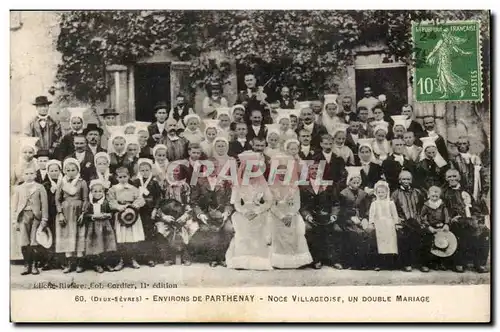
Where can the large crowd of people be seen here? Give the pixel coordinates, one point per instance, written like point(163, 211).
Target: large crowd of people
point(381, 192)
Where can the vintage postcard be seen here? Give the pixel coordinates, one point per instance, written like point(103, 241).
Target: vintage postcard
point(250, 166)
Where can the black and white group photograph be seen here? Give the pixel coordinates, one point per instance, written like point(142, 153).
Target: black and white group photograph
point(244, 148)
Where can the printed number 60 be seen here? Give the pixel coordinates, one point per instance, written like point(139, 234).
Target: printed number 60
point(426, 85)
point(79, 298)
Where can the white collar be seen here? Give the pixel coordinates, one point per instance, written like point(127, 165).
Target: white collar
point(42, 117)
point(328, 156)
point(161, 126)
point(242, 140)
point(309, 126)
point(174, 138)
point(305, 148)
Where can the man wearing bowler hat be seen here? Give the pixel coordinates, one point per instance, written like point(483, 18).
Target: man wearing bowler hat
point(44, 127)
point(109, 116)
point(93, 135)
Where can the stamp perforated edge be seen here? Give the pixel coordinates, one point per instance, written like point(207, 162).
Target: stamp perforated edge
point(479, 56)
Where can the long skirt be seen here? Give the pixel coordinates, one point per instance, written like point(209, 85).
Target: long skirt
point(100, 237)
point(212, 243)
point(249, 247)
point(289, 248)
point(70, 237)
point(129, 234)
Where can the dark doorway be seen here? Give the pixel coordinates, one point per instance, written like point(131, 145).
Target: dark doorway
point(391, 82)
point(152, 85)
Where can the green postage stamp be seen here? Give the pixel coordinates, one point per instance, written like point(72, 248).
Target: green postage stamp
point(447, 61)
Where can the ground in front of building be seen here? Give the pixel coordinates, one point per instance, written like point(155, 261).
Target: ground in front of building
point(202, 275)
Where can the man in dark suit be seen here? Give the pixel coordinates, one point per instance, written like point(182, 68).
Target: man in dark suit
point(158, 129)
point(307, 122)
point(395, 163)
point(414, 126)
point(44, 127)
point(256, 127)
point(319, 206)
point(93, 135)
point(253, 99)
point(285, 101)
point(335, 166)
point(347, 114)
point(241, 142)
point(430, 126)
point(307, 152)
point(84, 156)
point(180, 110)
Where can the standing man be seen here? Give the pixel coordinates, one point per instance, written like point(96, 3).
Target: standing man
point(368, 101)
point(93, 135)
point(253, 98)
point(430, 131)
point(395, 163)
point(286, 102)
point(180, 110)
point(44, 127)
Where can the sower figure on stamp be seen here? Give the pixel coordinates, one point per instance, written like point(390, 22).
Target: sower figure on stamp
point(474, 177)
point(409, 202)
point(353, 218)
point(320, 210)
point(467, 224)
point(29, 211)
point(44, 127)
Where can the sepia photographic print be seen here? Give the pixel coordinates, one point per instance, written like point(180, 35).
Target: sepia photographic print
point(250, 166)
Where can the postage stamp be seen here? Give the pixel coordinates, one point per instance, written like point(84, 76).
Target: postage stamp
point(447, 61)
